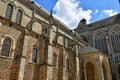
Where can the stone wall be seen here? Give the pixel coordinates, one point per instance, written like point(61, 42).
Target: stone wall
point(37, 30)
point(36, 70)
point(5, 68)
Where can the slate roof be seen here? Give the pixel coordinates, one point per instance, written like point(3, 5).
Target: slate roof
point(104, 22)
point(87, 49)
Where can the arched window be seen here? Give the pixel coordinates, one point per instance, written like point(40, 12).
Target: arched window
point(67, 64)
point(9, 11)
point(115, 39)
point(6, 47)
point(101, 42)
point(34, 55)
point(19, 17)
point(54, 60)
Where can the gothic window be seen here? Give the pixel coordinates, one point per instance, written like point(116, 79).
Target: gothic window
point(9, 11)
point(54, 60)
point(19, 17)
point(34, 55)
point(67, 64)
point(115, 39)
point(101, 42)
point(6, 47)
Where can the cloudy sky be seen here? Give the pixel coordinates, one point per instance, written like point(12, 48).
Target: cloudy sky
point(71, 12)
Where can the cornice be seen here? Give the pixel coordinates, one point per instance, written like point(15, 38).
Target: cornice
point(39, 10)
point(43, 13)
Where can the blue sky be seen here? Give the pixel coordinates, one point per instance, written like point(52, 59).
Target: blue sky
point(71, 12)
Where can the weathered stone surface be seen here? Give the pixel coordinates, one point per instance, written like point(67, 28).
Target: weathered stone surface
point(39, 30)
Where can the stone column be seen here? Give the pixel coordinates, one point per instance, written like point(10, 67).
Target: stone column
point(49, 62)
point(50, 56)
point(64, 64)
point(23, 58)
point(100, 72)
point(77, 64)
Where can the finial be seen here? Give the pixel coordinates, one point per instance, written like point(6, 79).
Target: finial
point(51, 13)
point(83, 21)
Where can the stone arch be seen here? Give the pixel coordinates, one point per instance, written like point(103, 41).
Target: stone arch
point(11, 38)
point(99, 34)
point(37, 27)
point(13, 4)
point(12, 44)
point(90, 71)
point(19, 8)
point(106, 70)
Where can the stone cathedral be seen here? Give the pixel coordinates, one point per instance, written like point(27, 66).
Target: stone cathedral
point(34, 45)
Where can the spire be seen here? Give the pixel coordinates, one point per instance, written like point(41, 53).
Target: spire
point(51, 13)
point(51, 17)
point(32, 1)
point(83, 21)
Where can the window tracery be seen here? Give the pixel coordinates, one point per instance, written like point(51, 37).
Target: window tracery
point(115, 39)
point(101, 42)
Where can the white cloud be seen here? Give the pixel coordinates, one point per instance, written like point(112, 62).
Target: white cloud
point(110, 12)
point(70, 13)
point(96, 11)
